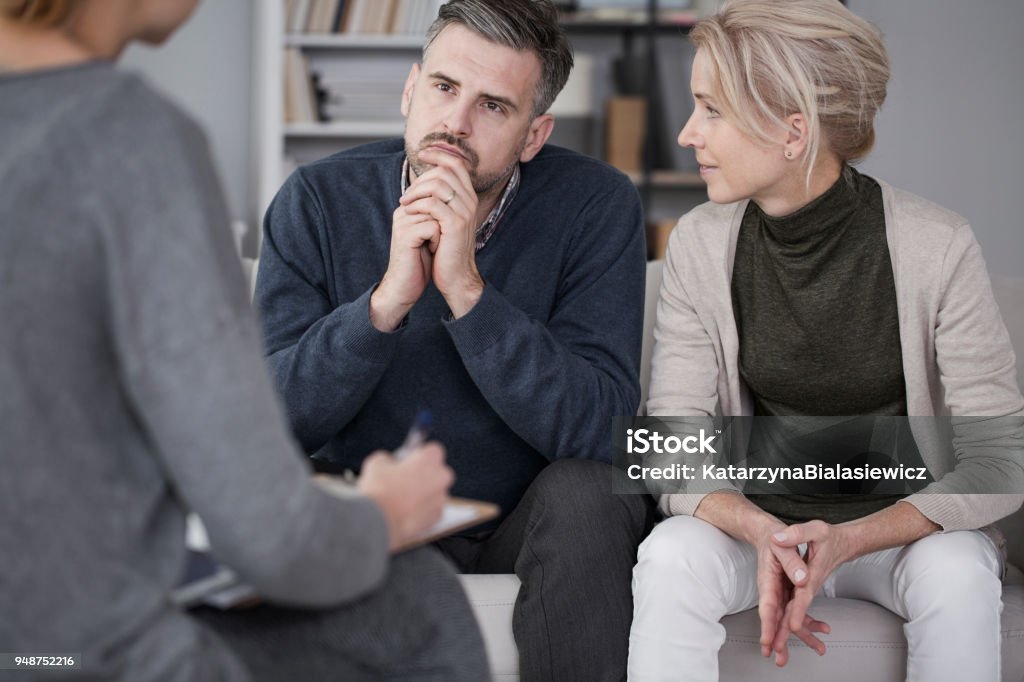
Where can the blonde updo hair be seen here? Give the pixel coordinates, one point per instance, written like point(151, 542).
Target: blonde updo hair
point(39, 12)
point(769, 59)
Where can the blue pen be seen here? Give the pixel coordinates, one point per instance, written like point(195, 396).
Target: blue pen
point(418, 434)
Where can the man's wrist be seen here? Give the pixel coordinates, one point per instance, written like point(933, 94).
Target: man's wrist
point(461, 299)
point(386, 316)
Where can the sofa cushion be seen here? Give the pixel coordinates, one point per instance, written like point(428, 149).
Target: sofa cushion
point(866, 643)
point(492, 597)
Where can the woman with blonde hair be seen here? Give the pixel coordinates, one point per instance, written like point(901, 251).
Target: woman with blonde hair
point(134, 390)
point(807, 289)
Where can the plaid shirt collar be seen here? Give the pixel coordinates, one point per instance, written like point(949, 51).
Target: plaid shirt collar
point(490, 225)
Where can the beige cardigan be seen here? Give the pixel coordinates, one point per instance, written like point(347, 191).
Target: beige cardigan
point(957, 357)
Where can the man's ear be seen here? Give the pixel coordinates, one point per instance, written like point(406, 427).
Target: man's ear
point(538, 133)
point(410, 84)
point(796, 135)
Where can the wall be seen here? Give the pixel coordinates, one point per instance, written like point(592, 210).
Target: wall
point(950, 129)
point(206, 68)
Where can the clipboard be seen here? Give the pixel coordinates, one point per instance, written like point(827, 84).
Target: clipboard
point(458, 514)
point(207, 582)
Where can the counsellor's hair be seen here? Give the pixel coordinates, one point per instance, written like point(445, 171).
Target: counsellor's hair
point(773, 58)
point(519, 24)
point(40, 12)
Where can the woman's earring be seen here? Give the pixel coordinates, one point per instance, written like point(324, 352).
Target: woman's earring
point(789, 154)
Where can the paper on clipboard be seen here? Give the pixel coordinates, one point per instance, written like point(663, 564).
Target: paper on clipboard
point(458, 514)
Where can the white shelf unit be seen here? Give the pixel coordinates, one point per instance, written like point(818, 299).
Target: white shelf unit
point(343, 129)
point(275, 138)
point(341, 41)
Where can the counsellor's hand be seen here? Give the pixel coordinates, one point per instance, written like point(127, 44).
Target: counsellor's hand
point(411, 492)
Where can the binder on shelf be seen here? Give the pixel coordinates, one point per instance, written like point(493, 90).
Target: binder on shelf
point(300, 105)
point(322, 16)
point(624, 132)
point(298, 17)
point(356, 17)
point(360, 17)
point(657, 238)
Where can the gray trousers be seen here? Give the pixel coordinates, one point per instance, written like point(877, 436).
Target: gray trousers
point(573, 544)
point(416, 627)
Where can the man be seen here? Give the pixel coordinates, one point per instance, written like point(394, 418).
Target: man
point(499, 284)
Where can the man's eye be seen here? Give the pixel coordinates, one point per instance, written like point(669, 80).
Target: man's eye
point(444, 87)
point(494, 106)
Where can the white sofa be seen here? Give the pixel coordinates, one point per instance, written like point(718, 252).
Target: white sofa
point(867, 641)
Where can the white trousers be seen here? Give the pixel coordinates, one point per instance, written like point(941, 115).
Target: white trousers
point(690, 574)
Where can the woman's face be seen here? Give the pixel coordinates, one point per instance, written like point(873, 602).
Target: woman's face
point(734, 165)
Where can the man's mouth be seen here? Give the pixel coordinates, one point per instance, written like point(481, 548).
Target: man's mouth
point(448, 149)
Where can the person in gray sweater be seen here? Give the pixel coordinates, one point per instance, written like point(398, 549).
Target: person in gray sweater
point(805, 291)
point(135, 390)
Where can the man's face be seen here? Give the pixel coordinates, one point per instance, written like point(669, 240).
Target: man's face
point(474, 99)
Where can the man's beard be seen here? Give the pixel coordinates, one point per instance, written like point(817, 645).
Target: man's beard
point(482, 184)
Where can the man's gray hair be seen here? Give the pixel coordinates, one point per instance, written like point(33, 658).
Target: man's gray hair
point(519, 24)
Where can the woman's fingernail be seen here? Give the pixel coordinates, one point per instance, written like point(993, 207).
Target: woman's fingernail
point(780, 536)
point(800, 575)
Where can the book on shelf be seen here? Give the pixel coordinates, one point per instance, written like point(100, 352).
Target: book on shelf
point(361, 17)
point(624, 131)
point(658, 233)
point(323, 16)
point(300, 102)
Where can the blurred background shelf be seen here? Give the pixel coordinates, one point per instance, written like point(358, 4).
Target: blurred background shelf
point(345, 129)
point(669, 179)
point(338, 41)
point(329, 79)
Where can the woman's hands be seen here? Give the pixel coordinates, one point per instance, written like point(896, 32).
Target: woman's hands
point(780, 569)
point(829, 546)
point(781, 575)
point(787, 581)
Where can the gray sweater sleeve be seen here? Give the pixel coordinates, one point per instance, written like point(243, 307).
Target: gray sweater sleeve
point(190, 354)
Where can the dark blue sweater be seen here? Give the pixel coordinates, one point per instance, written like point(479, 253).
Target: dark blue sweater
point(533, 373)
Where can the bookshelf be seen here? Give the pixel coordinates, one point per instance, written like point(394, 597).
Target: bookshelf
point(336, 41)
point(303, 138)
point(384, 59)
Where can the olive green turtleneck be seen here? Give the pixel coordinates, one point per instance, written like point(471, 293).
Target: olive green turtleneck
point(815, 305)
